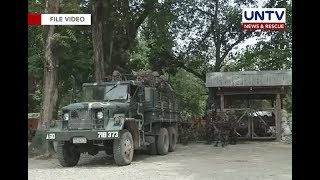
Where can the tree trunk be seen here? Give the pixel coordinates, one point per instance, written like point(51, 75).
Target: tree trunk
point(97, 41)
point(50, 86)
point(212, 96)
point(108, 41)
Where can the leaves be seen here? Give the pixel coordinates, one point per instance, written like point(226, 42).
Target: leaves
point(75, 57)
point(191, 92)
point(183, 39)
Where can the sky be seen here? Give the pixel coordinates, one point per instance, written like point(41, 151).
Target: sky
point(250, 41)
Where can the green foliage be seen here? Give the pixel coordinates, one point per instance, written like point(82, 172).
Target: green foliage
point(288, 101)
point(35, 57)
point(74, 54)
point(76, 60)
point(139, 56)
point(206, 32)
point(191, 92)
point(34, 101)
point(159, 39)
point(35, 51)
point(172, 36)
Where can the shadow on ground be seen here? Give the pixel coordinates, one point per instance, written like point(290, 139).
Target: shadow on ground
point(103, 160)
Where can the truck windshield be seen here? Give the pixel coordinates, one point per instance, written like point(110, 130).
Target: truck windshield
point(105, 93)
point(93, 93)
point(116, 92)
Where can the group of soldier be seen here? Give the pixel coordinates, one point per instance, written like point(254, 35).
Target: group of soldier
point(219, 128)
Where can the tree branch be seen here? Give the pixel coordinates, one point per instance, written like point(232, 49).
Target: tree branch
point(134, 25)
point(204, 12)
point(216, 31)
point(226, 52)
point(201, 76)
point(206, 35)
point(224, 33)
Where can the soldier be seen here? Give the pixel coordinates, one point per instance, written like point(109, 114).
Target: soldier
point(116, 76)
point(221, 131)
point(182, 129)
point(209, 127)
point(224, 127)
point(183, 133)
point(233, 137)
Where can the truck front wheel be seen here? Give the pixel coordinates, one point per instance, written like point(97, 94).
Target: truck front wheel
point(123, 148)
point(67, 154)
point(163, 141)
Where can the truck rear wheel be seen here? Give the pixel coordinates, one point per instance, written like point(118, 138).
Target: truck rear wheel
point(172, 138)
point(123, 148)
point(163, 142)
point(67, 154)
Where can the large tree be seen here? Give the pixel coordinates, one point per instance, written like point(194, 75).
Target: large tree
point(74, 59)
point(205, 33)
point(97, 40)
point(114, 31)
point(50, 78)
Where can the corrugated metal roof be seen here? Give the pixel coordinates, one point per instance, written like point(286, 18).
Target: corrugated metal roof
point(249, 78)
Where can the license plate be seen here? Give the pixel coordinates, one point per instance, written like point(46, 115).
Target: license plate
point(51, 136)
point(110, 134)
point(79, 140)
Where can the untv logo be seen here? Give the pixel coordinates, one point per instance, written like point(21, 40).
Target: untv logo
point(264, 19)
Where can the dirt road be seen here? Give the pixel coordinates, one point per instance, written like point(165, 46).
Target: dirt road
point(244, 161)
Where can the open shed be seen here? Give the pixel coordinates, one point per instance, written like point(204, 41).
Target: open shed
point(256, 97)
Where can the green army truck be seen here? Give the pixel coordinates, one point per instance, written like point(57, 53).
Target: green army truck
point(118, 117)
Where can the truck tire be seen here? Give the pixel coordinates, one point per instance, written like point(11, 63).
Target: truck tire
point(172, 138)
point(67, 154)
point(163, 142)
point(123, 148)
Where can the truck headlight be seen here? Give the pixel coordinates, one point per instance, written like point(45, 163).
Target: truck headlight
point(100, 115)
point(118, 118)
point(66, 116)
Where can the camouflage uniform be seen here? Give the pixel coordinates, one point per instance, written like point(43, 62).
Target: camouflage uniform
point(209, 128)
point(221, 130)
point(116, 76)
point(233, 137)
point(185, 127)
point(224, 128)
point(184, 133)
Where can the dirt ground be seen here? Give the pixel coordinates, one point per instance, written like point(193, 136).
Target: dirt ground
point(244, 161)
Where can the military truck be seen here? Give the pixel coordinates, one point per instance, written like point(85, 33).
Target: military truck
point(118, 117)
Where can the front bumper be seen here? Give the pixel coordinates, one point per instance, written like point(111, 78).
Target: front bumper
point(88, 134)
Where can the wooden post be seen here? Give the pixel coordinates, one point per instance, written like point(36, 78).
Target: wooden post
point(278, 117)
point(221, 103)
